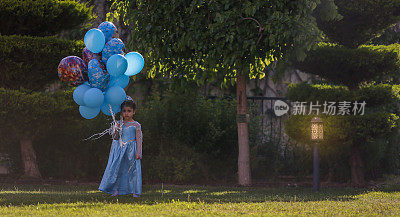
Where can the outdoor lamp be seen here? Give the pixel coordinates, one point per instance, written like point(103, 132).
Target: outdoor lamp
point(317, 129)
point(317, 134)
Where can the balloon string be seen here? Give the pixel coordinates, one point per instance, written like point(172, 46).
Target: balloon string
point(99, 134)
point(119, 128)
point(110, 131)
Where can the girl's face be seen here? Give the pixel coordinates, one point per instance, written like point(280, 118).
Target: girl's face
point(127, 113)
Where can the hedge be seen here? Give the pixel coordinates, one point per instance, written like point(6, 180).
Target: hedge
point(26, 112)
point(31, 62)
point(41, 17)
point(351, 67)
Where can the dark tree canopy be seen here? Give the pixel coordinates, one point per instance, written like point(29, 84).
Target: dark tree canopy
point(361, 21)
point(41, 17)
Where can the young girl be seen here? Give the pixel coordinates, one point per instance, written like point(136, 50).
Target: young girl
point(123, 173)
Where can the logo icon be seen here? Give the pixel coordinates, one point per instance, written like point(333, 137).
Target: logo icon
point(280, 108)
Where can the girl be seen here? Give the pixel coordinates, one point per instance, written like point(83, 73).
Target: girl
point(123, 173)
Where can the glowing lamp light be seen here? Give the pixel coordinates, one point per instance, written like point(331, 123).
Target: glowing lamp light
point(317, 129)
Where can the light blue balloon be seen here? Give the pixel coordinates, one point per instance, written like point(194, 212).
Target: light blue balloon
point(106, 109)
point(135, 63)
point(93, 98)
point(115, 95)
point(94, 40)
point(88, 112)
point(121, 81)
point(79, 93)
point(116, 65)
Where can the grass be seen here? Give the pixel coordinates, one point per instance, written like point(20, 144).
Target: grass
point(86, 200)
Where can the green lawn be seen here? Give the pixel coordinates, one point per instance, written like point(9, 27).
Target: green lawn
point(84, 200)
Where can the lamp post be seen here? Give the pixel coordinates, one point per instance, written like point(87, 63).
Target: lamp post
point(317, 135)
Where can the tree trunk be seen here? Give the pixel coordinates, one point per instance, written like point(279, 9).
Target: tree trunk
point(100, 9)
point(357, 167)
point(243, 135)
point(28, 156)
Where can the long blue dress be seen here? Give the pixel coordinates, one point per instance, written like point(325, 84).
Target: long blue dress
point(123, 172)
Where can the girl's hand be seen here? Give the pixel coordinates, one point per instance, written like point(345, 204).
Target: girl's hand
point(138, 156)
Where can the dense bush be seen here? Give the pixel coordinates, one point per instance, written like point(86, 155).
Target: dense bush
point(41, 17)
point(350, 67)
point(198, 138)
point(30, 114)
point(361, 21)
point(63, 153)
point(31, 62)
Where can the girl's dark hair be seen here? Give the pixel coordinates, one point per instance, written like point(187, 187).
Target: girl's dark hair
point(129, 103)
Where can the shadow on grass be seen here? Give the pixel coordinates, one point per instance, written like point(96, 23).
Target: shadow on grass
point(19, 195)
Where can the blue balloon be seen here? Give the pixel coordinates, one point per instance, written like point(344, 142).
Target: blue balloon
point(98, 76)
point(79, 92)
point(105, 108)
point(121, 81)
point(88, 112)
point(114, 46)
point(93, 98)
point(115, 95)
point(135, 63)
point(116, 65)
point(94, 40)
point(108, 29)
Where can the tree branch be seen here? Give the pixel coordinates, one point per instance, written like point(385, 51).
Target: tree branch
point(259, 25)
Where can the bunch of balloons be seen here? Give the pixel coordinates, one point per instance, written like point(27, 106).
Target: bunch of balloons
point(102, 73)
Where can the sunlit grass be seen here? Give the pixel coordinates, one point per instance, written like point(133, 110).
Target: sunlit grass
point(169, 200)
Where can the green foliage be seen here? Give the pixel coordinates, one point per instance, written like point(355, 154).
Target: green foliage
point(390, 36)
point(341, 132)
point(376, 96)
point(187, 137)
point(25, 112)
point(31, 62)
point(361, 21)
point(63, 153)
point(212, 40)
point(327, 11)
point(41, 17)
point(351, 67)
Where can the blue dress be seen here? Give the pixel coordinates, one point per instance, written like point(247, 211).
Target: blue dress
point(123, 172)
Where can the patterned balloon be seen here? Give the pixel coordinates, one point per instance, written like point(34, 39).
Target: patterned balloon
point(72, 70)
point(108, 29)
point(98, 76)
point(114, 46)
point(88, 55)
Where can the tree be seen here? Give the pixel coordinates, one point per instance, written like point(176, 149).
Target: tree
point(25, 108)
point(352, 64)
point(220, 41)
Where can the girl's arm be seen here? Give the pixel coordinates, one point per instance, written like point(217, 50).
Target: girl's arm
point(138, 141)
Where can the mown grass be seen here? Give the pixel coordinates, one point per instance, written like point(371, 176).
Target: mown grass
point(86, 200)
